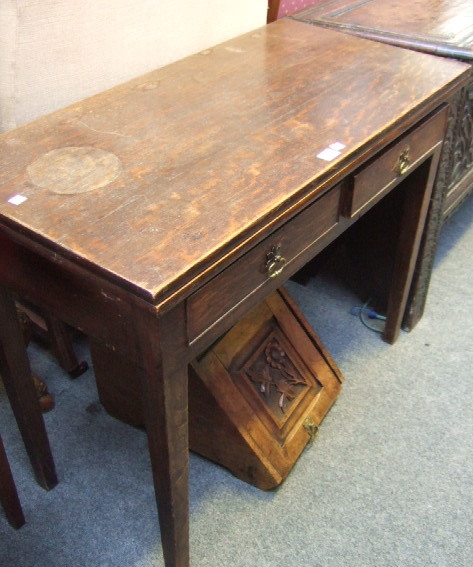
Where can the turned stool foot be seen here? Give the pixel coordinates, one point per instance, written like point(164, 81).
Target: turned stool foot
point(46, 400)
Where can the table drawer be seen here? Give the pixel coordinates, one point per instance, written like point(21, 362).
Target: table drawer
point(387, 169)
point(263, 263)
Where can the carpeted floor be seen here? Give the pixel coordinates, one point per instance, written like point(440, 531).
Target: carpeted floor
point(387, 483)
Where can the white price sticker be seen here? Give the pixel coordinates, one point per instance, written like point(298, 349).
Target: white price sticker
point(17, 199)
point(328, 154)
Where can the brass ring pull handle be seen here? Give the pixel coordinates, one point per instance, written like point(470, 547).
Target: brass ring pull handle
point(403, 162)
point(311, 427)
point(275, 263)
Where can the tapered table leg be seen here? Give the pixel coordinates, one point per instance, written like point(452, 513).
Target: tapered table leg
point(416, 204)
point(16, 374)
point(164, 391)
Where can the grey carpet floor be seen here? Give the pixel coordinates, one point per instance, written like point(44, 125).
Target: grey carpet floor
point(387, 483)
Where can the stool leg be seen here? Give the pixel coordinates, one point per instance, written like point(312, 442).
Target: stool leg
point(62, 345)
point(8, 494)
point(16, 375)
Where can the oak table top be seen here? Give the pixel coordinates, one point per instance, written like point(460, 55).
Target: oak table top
point(203, 153)
point(115, 210)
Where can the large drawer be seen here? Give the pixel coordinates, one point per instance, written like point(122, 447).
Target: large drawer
point(387, 169)
point(265, 262)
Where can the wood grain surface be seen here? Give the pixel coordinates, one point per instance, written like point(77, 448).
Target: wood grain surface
point(433, 26)
point(213, 149)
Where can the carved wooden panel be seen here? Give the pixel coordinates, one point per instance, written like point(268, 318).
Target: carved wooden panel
point(276, 376)
point(460, 144)
point(275, 380)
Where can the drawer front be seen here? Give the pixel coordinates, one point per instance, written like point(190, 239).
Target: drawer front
point(392, 165)
point(264, 263)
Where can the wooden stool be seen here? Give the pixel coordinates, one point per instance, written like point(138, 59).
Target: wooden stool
point(51, 331)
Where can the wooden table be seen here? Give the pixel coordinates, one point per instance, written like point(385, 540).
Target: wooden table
point(159, 212)
point(440, 28)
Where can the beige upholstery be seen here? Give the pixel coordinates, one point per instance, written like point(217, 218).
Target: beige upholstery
point(55, 52)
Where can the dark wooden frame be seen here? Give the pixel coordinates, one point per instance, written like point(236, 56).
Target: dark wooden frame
point(273, 9)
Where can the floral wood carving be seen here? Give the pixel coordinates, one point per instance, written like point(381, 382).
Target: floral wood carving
point(275, 377)
point(461, 150)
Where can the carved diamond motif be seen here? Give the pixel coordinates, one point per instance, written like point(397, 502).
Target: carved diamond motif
point(277, 377)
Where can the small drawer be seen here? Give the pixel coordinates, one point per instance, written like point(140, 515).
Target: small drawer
point(387, 169)
point(264, 263)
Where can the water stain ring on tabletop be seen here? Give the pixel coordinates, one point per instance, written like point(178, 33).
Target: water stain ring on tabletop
point(73, 170)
